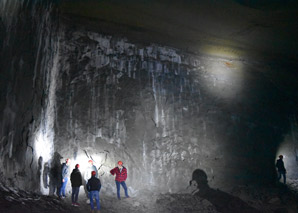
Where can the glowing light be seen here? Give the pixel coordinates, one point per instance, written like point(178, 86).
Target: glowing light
point(98, 160)
point(223, 72)
point(289, 152)
point(82, 160)
point(289, 149)
point(44, 146)
point(224, 52)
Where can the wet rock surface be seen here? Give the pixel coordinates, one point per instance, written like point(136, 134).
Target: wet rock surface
point(70, 92)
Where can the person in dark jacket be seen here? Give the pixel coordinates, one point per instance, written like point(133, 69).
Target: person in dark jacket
point(281, 169)
point(91, 167)
point(76, 182)
point(64, 178)
point(93, 187)
point(121, 174)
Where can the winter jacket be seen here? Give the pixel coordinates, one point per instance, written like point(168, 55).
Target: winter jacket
point(280, 165)
point(93, 184)
point(120, 176)
point(76, 178)
point(64, 170)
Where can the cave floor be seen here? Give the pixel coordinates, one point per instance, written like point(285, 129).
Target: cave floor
point(280, 198)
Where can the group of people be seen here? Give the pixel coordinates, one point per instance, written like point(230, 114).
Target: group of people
point(93, 184)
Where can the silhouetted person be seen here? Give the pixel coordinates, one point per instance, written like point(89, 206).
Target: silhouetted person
point(222, 201)
point(64, 178)
point(55, 175)
point(93, 187)
point(121, 174)
point(281, 169)
point(76, 182)
point(39, 169)
point(45, 175)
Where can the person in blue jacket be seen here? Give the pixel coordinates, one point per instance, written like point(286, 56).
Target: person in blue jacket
point(64, 178)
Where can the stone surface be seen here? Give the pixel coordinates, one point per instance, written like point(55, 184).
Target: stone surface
point(14, 200)
point(71, 92)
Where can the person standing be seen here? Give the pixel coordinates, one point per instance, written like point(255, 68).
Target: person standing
point(281, 169)
point(88, 175)
point(93, 187)
point(64, 178)
point(76, 182)
point(91, 168)
point(121, 175)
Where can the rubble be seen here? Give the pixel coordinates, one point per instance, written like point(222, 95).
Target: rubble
point(278, 198)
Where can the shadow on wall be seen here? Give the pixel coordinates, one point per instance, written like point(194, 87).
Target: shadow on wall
point(52, 175)
point(222, 201)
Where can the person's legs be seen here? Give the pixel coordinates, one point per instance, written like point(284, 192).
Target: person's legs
point(284, 176)
point(91, 200)
point(96, 196)
point(279, 175)
point(125, 188)
point(63, 186)
point(77, 194)
point(85, 189)
point(118, 189)
point(65, 183)
point(72, 195)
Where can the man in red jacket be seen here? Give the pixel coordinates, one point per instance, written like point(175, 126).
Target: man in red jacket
point(121, 174)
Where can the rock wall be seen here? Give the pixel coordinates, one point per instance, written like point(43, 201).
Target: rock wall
point(28, 48)
point(68, 92)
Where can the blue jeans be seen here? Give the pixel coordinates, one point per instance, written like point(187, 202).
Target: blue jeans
point(75, 194)
point(281, 173)
point(118, 188)
point(62, 189)
point(94, 194)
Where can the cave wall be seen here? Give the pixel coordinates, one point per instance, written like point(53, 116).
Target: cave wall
point(74, 93)
point(28, 31)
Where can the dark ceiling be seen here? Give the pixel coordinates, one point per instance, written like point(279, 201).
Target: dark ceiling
point(227, 28)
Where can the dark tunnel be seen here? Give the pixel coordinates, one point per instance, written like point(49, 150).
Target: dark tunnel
point(176, 90)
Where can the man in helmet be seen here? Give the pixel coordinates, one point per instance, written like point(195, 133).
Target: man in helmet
point(93, 187)
point(281, 169)
point(121, 174)
point(76, 182)
point(90, 168)
point(87, 176)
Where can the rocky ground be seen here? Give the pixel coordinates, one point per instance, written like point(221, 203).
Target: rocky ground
point(280, 198)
